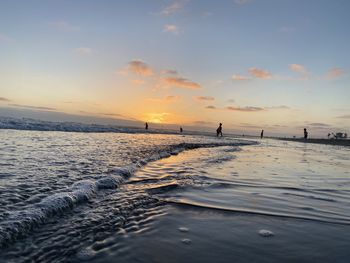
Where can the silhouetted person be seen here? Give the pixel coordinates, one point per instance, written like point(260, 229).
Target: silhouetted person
point(181, 130)
point(146, 126)
point(262, 134)
point(219, 130)
point(305, 133)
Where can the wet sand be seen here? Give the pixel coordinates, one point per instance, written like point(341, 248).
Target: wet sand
point(340, 142)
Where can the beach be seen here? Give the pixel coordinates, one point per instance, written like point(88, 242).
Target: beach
point(103, 197)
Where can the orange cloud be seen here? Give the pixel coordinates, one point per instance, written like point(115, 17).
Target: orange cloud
point(299, 69)
point(260, 73)
point(141, 68)
point(206, 98)
point(335, 73)
point(180, 83)
point(239, 77)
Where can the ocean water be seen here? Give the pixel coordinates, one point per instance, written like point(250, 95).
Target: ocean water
point(110, 197)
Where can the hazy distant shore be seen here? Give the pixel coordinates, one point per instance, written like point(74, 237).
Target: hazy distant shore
point(340, 142)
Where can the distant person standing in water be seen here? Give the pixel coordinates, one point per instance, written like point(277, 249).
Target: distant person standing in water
point(305, 133)
point(181, 130)
point(262, 134)
point(146, 126)
point(219, 130)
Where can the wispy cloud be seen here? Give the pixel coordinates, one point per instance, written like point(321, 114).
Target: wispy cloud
point(319, 125)
point(205, 98)
point(4, 99)
point(344, 116)
point(335, 73)
point(231, 101)
point(64, 26)
point(281, 107)
point(245, 109)
point(111, 114)
point(211, 107)
point(140, 68)
point(239, 77)
point(83, 51)
point(180, 83)
point(260, 73)
point(174, 7)
point(249, 108)
point(33, 107)
point(170, 28)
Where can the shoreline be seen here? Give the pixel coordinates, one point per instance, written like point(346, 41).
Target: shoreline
point(338, 142)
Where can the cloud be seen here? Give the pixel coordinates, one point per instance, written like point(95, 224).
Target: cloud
point(231, 101)
point(111, 114)
point(344, 116)
point(64, 26)
point(245, 109)
point(260, 73)
point(4, 99)
point(171, 98)
point(298, 68)
point(239, 77)
point(171, 29)
point(140, 68)
point(33, 107)
point(173, 8)
point(281, 107)
point(180, 83)
point(319, 125)
point(211, 107)
point(205, 98)
point(242, 2)
point(335, 73)
point(83, 51)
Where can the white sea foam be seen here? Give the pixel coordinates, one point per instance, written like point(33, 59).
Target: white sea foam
point(18, 223)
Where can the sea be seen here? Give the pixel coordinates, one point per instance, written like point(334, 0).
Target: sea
point(142, 197)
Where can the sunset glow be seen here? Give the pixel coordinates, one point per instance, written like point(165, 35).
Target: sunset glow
point(248, 64)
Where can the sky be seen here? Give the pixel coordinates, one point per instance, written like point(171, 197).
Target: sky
point(277, 65)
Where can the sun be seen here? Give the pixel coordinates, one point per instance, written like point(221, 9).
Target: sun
point(156, 117)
